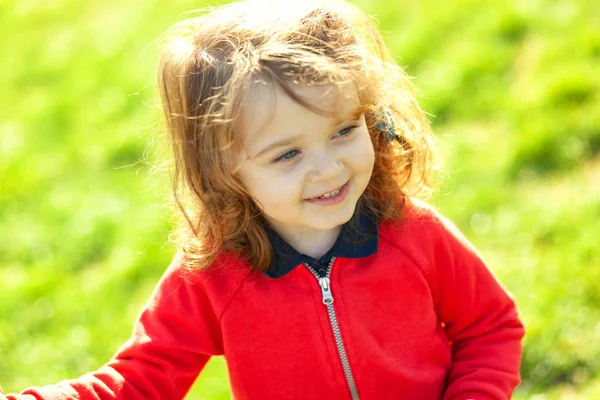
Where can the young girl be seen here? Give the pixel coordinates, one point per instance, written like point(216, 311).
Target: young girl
point(305, 258)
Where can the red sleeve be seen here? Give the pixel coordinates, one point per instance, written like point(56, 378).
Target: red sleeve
point(173, 338)
point(480, 318)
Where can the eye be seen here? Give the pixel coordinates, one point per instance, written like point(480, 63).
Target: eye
point(346, 131)
point(287, 156)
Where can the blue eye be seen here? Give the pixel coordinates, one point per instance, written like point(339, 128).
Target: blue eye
point(346, 131)
point(287, 156)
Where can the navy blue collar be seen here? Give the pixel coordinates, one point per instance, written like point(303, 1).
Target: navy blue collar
point(358, 238)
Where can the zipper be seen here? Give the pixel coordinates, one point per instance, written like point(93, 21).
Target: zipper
point(325, 285)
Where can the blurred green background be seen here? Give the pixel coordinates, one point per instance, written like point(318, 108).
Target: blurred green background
point(513, 88)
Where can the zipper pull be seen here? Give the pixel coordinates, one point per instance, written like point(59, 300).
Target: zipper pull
point(326, 291)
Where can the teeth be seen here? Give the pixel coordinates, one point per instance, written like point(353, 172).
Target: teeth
point(327, 195)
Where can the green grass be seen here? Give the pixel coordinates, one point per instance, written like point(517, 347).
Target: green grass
point(514, 95)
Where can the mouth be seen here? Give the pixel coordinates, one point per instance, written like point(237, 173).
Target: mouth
point(328, 194)
point(331, 197)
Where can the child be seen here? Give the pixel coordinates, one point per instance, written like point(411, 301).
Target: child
point(304, 260)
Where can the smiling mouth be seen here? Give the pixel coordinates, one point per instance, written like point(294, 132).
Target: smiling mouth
point(329, 194)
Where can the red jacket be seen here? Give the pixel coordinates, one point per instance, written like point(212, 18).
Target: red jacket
point(421, 319)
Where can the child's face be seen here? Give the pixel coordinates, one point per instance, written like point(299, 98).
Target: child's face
point(291, 154)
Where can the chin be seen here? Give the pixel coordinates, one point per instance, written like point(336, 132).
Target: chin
point(330, 224)
point(327, 227)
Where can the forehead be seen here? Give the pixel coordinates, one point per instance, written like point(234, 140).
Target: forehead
point(268, 110)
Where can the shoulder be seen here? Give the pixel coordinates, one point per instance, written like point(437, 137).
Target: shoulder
point(424, 234)
point(217, 284)
point(418, 220)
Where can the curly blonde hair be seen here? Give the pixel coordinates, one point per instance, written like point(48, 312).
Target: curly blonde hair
point(208, 65)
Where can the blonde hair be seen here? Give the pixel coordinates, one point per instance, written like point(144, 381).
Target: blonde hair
point(206, 69)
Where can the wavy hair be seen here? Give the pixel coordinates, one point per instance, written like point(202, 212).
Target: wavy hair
point(206, 68)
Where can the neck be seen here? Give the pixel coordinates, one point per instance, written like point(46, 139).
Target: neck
point(314, 243)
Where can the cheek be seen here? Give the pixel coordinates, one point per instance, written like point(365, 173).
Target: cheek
point(362, 155)
point(369, 155)
point(272, 188)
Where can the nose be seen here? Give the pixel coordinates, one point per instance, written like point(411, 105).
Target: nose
point(325, 167)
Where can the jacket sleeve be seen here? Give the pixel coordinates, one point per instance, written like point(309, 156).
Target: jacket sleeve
point(480, 318)
point(174, 337)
